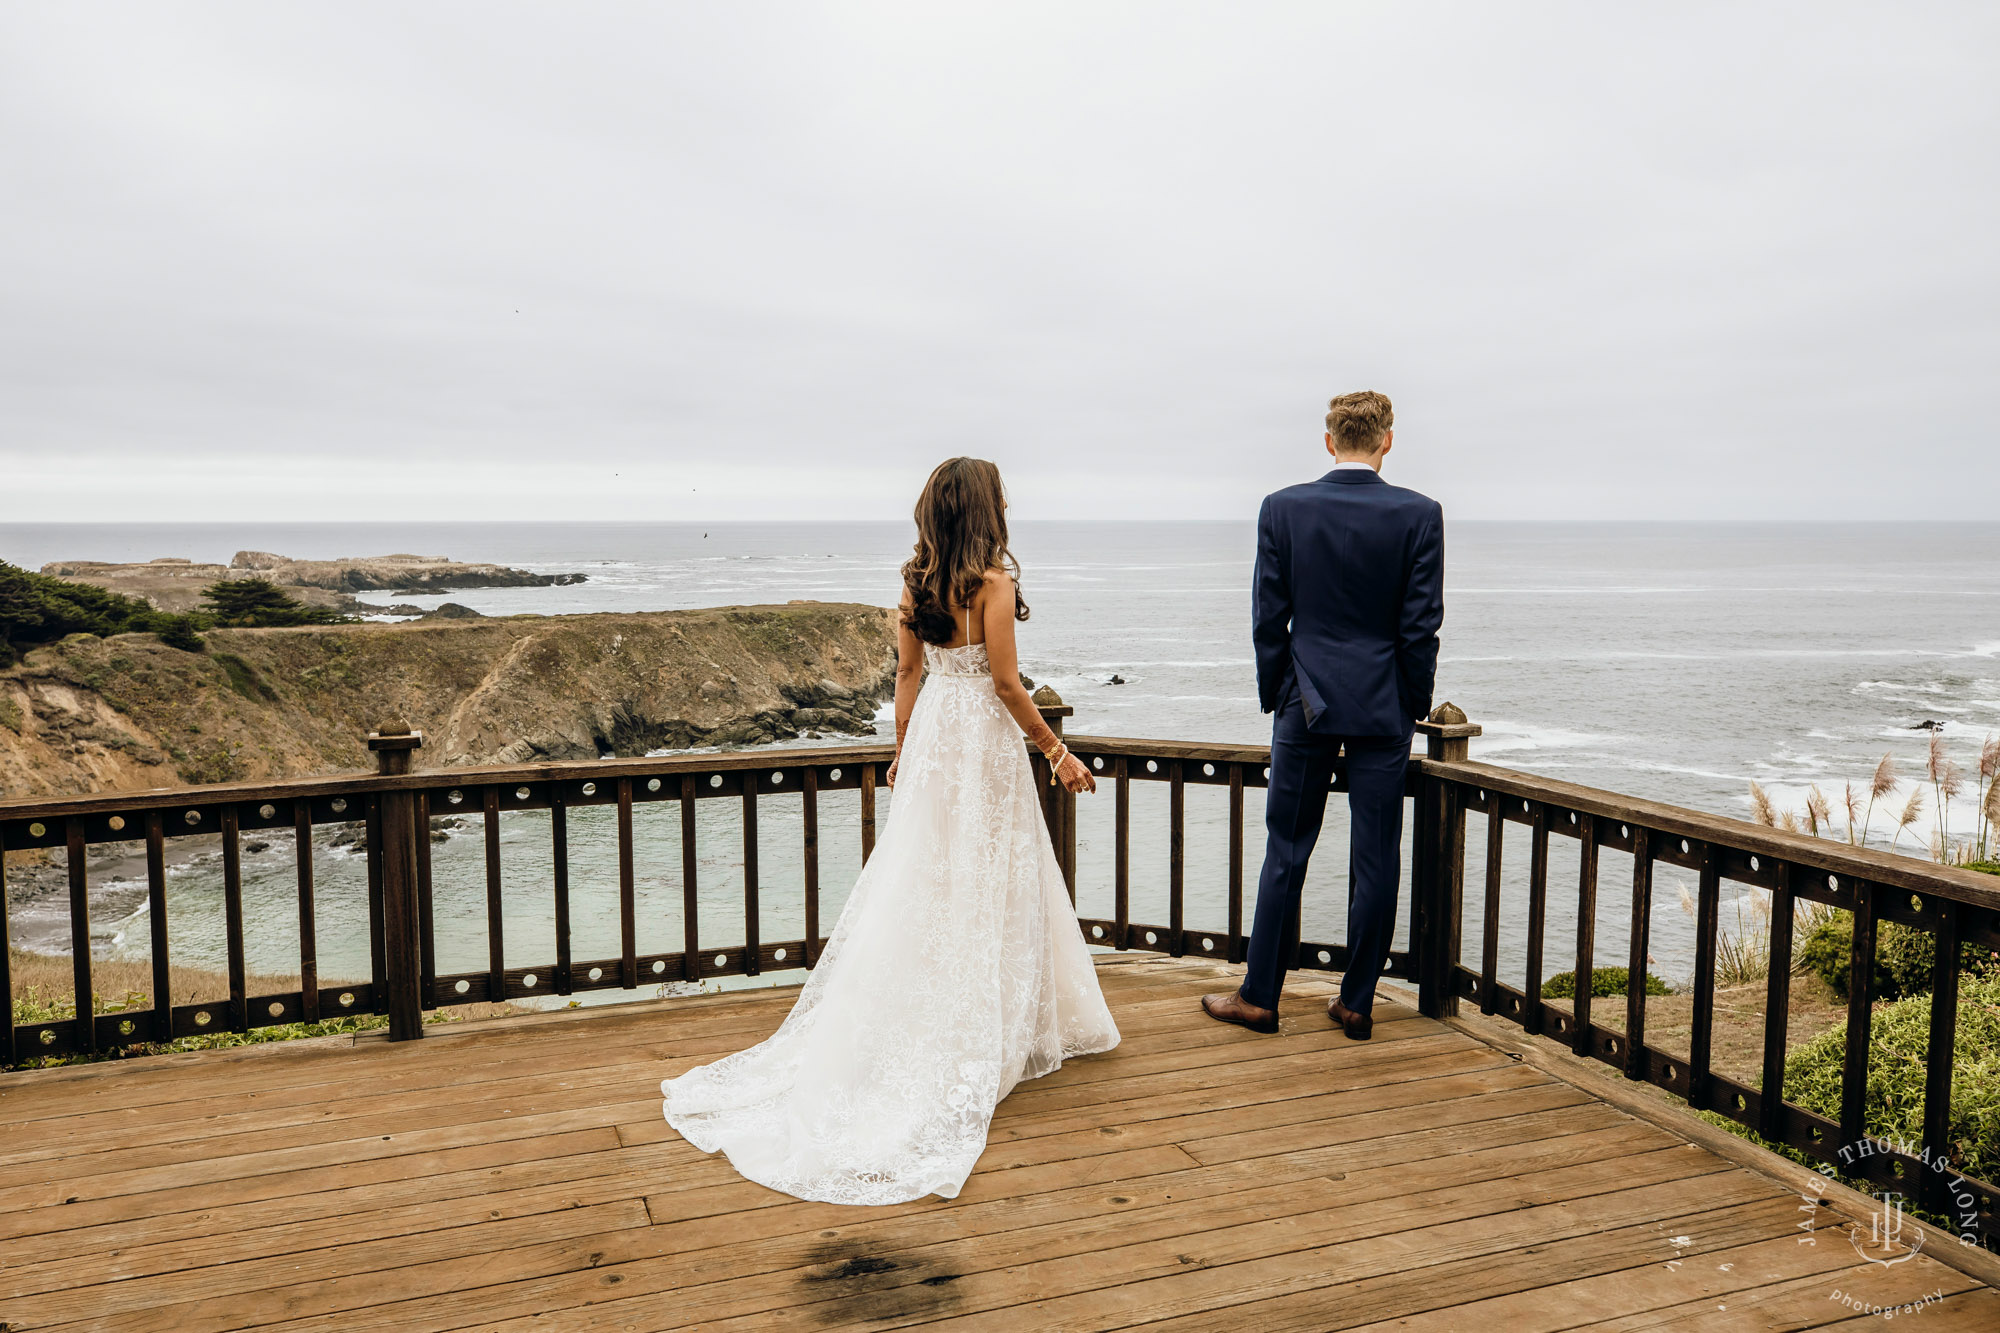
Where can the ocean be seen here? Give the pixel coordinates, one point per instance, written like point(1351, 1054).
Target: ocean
point(1673, 661)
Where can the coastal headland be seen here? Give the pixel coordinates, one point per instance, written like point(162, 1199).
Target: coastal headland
point(174, 584)
point(128, 712)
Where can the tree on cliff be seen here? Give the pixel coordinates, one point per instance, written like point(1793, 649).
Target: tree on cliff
point(37, 609)
point(259, 604)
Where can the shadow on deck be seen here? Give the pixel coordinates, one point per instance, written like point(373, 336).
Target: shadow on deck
point(517, 1175)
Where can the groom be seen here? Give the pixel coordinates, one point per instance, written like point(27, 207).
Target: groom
point(1349, 594)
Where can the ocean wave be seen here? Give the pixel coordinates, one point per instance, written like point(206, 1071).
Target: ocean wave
point(1648, 766)
point(1916, 687)
point(1501, 737)
point(1952, 730)
point(1991, 648)
point(1122, 667)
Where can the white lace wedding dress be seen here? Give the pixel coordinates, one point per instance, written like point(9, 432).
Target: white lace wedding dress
point(956, 970)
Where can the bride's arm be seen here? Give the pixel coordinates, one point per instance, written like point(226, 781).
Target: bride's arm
point(996, 613)
point(909, 678)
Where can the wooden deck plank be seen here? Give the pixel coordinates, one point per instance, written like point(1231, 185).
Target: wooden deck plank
point(517, 1174)
point(1105, 1263)
point(1345, 1299)
point(1672, 1277)
point(715, 1282)
point(1805, 1302)
point(781, 1215)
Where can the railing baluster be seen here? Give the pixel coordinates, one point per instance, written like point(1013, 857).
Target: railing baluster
point(690, 927)
point(1777, 1008)
point(1637, 958)
point(810, 797)
point(1426, 884)
point(1453, 898)
point(867, 812)
point(1707, 922)
point(79, 936)
point(1860, 1015)
point(751, 941)
point(1176, 857)
point(1586, 933)
point(496, 926)
point(302, 832)
point(559, 847)
point(1489, 929)
point(7, 966)
point(156, 912)
point(628, 893)
point(426, 909)
point(1538, 910)
point(232, 908)
point(377, 927)
point(1121, 873)
point(1235, 862)
point(1940, 1054)
point(1067, 855)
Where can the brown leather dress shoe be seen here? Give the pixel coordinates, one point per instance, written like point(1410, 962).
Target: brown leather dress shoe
point(1231, 1007)
point(1358, 1027)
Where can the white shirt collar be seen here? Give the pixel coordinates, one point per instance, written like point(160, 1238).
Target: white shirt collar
point(1348, 463)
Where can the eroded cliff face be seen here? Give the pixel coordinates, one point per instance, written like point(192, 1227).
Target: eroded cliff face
point(128, 712)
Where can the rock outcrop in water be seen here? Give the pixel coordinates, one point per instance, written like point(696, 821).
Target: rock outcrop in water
point(128, 712)
point(174, 584)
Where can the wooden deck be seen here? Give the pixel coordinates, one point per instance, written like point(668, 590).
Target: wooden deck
point(517, 1175)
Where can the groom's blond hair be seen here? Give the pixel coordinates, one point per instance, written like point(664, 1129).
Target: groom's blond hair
point(1358, 421)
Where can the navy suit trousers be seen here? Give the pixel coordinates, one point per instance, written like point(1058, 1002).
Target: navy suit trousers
point(1302, 766)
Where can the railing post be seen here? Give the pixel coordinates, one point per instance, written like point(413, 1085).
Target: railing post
point(402, 955)
point(1058, 802)
point(1437, 871)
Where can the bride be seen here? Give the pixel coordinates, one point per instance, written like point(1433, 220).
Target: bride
point(957, 968)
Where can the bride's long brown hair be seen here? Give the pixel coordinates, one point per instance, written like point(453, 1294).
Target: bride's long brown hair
point(961, 533)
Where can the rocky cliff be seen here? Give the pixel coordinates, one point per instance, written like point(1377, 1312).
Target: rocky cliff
point(174, 584)
point(128, 712)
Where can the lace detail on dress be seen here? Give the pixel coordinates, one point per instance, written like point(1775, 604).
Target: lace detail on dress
point(956, 970)
point(966, 660)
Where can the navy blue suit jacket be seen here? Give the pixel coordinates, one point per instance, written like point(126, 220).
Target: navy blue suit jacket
point(1349, 595)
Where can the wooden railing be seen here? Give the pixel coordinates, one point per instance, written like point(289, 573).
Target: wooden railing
point(1955, 907)
point(1446, 787)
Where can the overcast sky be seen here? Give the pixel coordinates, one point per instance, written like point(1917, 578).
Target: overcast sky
point(562, 260)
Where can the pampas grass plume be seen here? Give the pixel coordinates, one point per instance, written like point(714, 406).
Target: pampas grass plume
point(1760, 806)
point(1885, 779)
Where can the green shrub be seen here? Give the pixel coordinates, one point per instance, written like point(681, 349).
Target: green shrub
point(37, 609)
point(1905, 957)
point(261, 604)
point(182, 632)
point(1899, 1042)
point(1604, 981)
